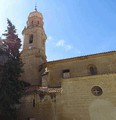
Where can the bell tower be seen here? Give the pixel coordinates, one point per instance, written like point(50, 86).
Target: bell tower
point(33, 53)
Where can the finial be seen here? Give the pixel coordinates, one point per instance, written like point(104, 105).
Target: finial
point(35, 6)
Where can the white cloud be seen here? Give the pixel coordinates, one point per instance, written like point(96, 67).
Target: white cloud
point(60, 43)
point(63, 44)
point(49, 38)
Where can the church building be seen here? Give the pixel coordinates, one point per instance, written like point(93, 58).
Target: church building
point(79, 88)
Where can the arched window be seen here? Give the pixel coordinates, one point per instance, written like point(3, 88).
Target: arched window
point(92, 69)
point(30, 39)
point(38, 22)
point(32, 22)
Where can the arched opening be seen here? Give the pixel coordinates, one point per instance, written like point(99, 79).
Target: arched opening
point(92, 69)
point(32, 22)
point(38, 22)
point(31, 39)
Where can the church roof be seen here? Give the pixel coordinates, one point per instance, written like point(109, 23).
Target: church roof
point(48, 90)
point(84, 57)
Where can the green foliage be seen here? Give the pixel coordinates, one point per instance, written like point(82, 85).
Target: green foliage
point(11, 88)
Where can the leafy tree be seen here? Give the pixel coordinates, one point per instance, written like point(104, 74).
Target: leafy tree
point(11, 87)
point(12, 40)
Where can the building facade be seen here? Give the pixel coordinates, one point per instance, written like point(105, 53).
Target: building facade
point(80, 88)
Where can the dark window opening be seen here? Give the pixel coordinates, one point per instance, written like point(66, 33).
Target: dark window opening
point(92, 71)
point(31, 39)
point(66, 73)
point(33, 102)
point(67, 70)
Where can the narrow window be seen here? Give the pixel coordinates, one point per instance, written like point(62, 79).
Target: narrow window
point(66, 73)
point(92, 71)
point(38, 22)
point(32, 22)
point(31, 39)
point(33, 102)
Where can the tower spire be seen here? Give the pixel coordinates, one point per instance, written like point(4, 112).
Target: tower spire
point(35, 6)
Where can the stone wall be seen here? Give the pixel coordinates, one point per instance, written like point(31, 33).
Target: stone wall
point(105, 63)
point(77, 102)
point(42, 110)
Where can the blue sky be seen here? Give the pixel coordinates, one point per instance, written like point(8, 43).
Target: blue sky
point(73, 27)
